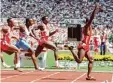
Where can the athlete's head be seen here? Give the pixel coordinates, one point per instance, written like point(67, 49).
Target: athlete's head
point(22, 29)
point(40, 27)
point(103, 33)
point(10, 22)
point(101, 9)
point(86, 20)
point(29, 21)
point(45, 19)
point(5, 29)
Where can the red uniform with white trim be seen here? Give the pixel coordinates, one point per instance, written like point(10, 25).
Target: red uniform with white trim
point(44, 35)
point(4, 41)
point(85, 42)
point(96, 43)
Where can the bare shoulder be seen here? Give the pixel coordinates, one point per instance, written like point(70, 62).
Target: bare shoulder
point(5, 27)
point(87, 30)
point(42, 24)
point(35, 25)
point(22, 25)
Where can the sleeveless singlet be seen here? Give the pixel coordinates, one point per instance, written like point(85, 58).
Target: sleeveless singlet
point(85, 42)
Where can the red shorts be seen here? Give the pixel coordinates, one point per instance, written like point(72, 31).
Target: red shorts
point(41, 41)
point(96, 46)
point(85, 47)
point(3, 46)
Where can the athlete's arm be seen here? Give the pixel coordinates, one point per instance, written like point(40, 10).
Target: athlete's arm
point(52, 33)
point(33, 34)
point(87, 26)
point(15, 37)
point(16, 28)
point(1, 33)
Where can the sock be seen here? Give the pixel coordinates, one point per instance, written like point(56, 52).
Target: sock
point(5, 65)
point(22, 55)
point(3, 62)
point(17, 65)
point(21, 61)
point(56, 62)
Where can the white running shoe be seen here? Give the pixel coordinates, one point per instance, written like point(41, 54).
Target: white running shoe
point(5, 65)
point(41, 69)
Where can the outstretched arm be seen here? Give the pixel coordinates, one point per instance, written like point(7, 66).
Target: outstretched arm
point(52, 33)
point(33, 34)
point(15, 37)
point(87, 26)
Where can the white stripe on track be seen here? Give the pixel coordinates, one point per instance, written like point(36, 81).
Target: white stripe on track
point(78, 77)
point(44, 77)
point(16, 75)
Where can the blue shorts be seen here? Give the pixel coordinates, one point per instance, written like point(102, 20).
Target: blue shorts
point(22, 44)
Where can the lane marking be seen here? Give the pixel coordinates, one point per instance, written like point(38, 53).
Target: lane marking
point(16, 75)
point(44, 77)
point(6, 71)
point(78, 77)
point(112, 79)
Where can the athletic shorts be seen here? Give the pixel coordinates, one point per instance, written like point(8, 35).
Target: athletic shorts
point(41, 41)
point(3, 46)
point(22, 44)
point(85, 47)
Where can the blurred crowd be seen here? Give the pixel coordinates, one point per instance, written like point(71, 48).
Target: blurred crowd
point(59, 11)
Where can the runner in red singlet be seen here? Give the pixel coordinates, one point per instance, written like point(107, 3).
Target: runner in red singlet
point(96, 39)
point(83, 47)
point(6, 43)
point(44, 35)
point(24, 45)
point(1, 55)
point(44, 38)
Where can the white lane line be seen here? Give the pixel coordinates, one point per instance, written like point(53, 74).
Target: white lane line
point(106, 81)
point(112, 79)
point(44, 77)
point(78, 77)
point(5, 71)
point(0, 63)
point(16, 75)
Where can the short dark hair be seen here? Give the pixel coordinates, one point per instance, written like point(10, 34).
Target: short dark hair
point(41, 27)
point(22, 29)
point(43, 18)
point(87, 19)
point(9, 19)
point(27, 20)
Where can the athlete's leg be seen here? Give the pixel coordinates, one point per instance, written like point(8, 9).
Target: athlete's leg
point(50, 45)
point(90, 65)
point(3, 62)
point(25, 46)
point(78, 57)
point(34, 59)
point(14, 49)
point(38, 50)
point(2, 59)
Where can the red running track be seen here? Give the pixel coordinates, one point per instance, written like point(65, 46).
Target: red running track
point(52, 76)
